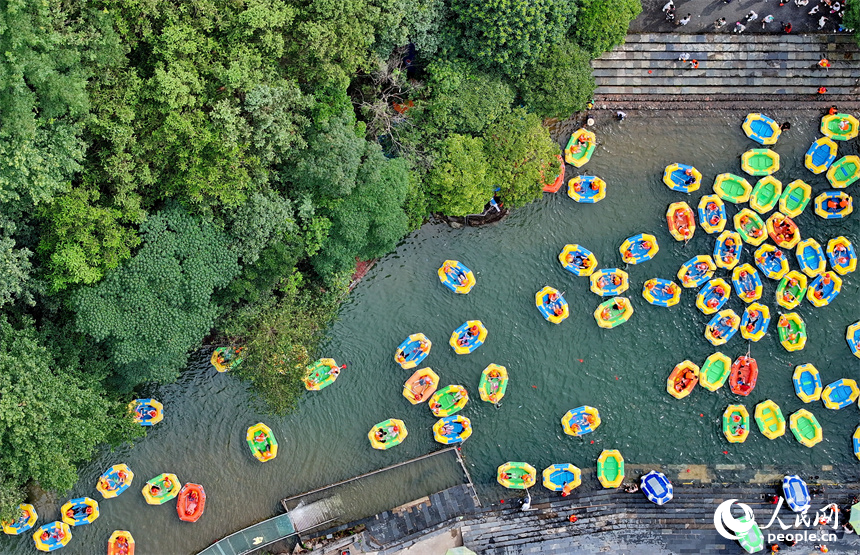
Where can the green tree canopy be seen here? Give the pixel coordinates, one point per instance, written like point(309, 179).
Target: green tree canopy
point(517, 147)
point(458, 179)
point(510, 35)
point(50, 419)
point(601, 25)
point(150, 311)
point(561, 84)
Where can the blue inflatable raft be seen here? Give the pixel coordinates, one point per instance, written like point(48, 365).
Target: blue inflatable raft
point(412, 351)
point(771, 261)
point(755, 321)
point(468, 337)
point(557, 476)
point(747, 283)
point(656, 487)
point(712, 214)
point(855, 441)
point(639, 248)
point(722, 327)
point(661, 292)
point(727, 250)
point(852, 336)
point(820, 155)
point(824, 289)
point(713, 296)
point(682, 178)
point(807, 383)
point(696, 271)
point(810, 257)
point(840, 253)
point(796, 493)
point(761, 128)
point(840, 394)
point(578, 260)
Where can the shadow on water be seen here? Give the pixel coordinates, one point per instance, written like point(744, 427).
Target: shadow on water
point(553, 368)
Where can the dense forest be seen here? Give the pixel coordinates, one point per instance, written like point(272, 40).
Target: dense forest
point(179, 171)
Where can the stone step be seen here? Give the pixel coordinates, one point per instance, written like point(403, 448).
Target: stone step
point(793, 49)
point(716, 90)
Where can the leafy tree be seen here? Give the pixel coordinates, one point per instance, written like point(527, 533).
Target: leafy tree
point(458, 179)
point(153, 309)
point(417, 22)
point(851, 19)
point(50, 418)
point(601, 25)
point(463, 99)
point(561, 84)
point(83, 238)
point(510, 35)
point(15, 271)
point(517, 147)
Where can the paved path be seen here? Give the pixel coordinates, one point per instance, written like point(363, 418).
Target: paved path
point(730, 66)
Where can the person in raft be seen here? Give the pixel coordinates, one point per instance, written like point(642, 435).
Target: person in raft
point(841, 252)
point(578, 260)
point(681, 223)
point(447, 429)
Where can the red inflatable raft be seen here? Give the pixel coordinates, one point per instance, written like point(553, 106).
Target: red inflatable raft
point(191, 502)
point(743, 376)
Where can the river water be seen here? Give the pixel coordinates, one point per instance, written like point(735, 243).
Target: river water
point(553, 368)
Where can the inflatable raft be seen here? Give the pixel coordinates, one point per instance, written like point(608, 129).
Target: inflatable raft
point(794, 198)
point(609, 282)
point(562, 477)
point(810, 257)
point(839, 127)
point(52, 536)
point(783, 230)
point(80, 511)
point(755, 321)
point(765, 194)
point(226, 358)
point(420, 385)
point(516, 475)
point(750, 227)
point(578, 260)
point(852, 336)
point(27, 518)
point(682, 379)
point(855, 442)
point(844, 171)
point(747, 283)
point(657, 488)
point(610, 468)
point(639, 248)
point(412, 351)
point(452, 429)
point(771, 261)
point(807, 383)
point(146, 412)
point(191, 502)
point(468, 337)
point(840, 253)
point(771, 422)
point(261, 441)
point(805, 428)
point(613, 312)
point(750, 539)
point(792, 331)
point(558, 181)
point(824, 289)
point(840, 394)
point(661, 292)
point(161, 489)
point(732, 188)
point(820, 155)
point(796, 493)
point(760, 161)
point(682, 178)
point(580, 421)
point(324, 372)
point(552, 305)
point(586, 189)
point(722, 327)
point(449, 400)
point(712, 214)
point(736, 423)
point(833, 205)
point(580, 147)
point(121, 542)
point(387, 434)
point(761, 129)
point(713, 296)
point(115, 480)
point(456, 277)
point(715, 371)
point(727, 250)
point(493, 383)
point(744, 374)
point(790, 290)
point(681, 220)
point(697, 270)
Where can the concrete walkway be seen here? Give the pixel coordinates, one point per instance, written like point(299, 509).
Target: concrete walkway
point(730, 66)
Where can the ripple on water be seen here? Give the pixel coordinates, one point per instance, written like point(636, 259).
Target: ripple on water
point(622, 371)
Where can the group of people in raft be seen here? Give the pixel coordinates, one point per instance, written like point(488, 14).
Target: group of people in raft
point(644, 244)
point(384, 434)
point(457, 272)
point(467, 336)
point(579, 260)
point(554, 305)
point(422, 347)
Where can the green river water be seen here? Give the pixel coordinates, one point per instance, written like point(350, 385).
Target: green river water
point(553, 368)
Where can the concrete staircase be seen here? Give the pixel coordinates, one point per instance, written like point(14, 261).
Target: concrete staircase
point(731, 67)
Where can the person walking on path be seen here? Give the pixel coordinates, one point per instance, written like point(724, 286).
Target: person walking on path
point(822, 90)
point(767, 19)
point(824, 63)
point(739, 28)
point(685, 19)
point(786, 27)
point(721, 22)
point(684, 57)
point(621, 115)
point(822, 22)
point(694, 64)
point(752, 16)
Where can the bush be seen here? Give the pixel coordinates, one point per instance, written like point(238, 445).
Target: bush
point(561, 84)
point(602, 25)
